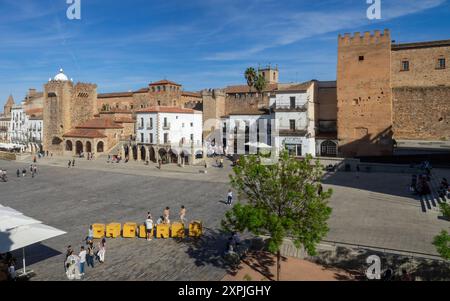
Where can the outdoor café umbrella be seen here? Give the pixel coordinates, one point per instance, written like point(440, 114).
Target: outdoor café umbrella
point(13, 221)
point(22, 236)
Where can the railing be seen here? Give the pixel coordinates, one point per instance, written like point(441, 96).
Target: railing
point(166, 126)
point(149, 126)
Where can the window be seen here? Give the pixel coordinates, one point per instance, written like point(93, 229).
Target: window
point(405, 66)
point(264, 73)
point(182, 125)
point(151, 123)
point(274, 76)
point(166, 137)
point(159, 102)
point(165, 121)
point(151, 138)
point(192, 124)
point(192, 137)
point(142, 137)
point(142, 122)
point(441, 63)
point(361, 58)
point(292, 124)
point(292, 99)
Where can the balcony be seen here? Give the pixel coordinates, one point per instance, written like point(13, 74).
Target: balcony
point(290, 132)
point(149, 126)
point(166, 126)
point(279, 108)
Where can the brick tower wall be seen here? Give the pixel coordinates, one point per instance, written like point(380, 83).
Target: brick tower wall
point(364, 94)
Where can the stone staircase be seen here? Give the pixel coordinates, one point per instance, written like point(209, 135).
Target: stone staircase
point(430, 202)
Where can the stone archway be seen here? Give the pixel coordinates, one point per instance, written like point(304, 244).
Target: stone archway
point(134, 149)
point(152, 154)
point(88, 147)
point(78, 147)
point(143, 153)
point(69, 146)
point(100, 147)
point(163, 155)
point(173, 156)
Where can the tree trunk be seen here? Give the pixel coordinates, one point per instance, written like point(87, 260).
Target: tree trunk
point(278, 264)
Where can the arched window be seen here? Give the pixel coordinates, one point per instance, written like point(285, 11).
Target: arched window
point(69, 146)
point(328, 149)
point(100, 147)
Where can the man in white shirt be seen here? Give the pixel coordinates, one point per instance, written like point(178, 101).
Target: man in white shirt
point(82, 256)
point(149, 226)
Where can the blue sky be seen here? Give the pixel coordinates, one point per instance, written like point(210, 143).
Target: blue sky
point(124, 45)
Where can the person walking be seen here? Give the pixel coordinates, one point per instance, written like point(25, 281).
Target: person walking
point(166, 215)
point(18, 173)
point(90, 236)
point(68, 165)
point(35, 169)
point(229, 197)
point(149, 226)
point(73, 162)
point(183, 214)
point(69, 252)
point(101, 251)
point(24, 172)
point(90, 254)
point(82, 256)
point(31, 167)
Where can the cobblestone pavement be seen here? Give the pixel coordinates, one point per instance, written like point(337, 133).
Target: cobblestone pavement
point(373, 209)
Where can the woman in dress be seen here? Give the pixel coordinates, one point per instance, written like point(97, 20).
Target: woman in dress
point(101, 251)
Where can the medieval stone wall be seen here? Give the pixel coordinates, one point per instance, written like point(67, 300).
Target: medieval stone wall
point(421, 113)
point(423, 67)
point(364, 94)
point(83, 105)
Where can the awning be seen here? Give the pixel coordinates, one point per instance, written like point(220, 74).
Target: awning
point(18, 231)
point(22, 236)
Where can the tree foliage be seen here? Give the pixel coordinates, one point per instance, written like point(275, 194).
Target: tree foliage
point(250, 77)
point(281, 200)
point(442, 244)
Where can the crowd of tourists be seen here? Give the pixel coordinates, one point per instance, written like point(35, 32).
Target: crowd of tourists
point(75, 263)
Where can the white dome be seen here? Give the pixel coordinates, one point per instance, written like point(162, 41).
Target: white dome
point(61, 76)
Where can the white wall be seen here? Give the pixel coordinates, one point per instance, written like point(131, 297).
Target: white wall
point(179, 127)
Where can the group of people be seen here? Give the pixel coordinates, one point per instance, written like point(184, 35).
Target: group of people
point(23, 172)
point(3, 176)
point(7, 267)
point(71, 163)
point(419, 185)
point(163, 219)
point(75, 264)
point(444, 188)
point(114, 159)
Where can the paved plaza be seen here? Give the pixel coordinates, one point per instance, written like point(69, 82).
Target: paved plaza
point(372, 209)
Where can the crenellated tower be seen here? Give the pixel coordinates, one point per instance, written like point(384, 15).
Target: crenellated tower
point(364, 94)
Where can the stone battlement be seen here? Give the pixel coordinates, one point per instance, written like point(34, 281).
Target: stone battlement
point(365, 39)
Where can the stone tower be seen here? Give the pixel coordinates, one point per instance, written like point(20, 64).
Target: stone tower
point(8, 106)
point(364, 95)
point(270, 74)
point(213, 109)
point(65, 106)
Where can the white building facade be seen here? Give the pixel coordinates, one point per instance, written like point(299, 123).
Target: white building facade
point(170, 134)
point(4, 129)
point(294, 112)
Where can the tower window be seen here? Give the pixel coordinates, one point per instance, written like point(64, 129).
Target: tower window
point(361, 58)
point(441, 63)
point(405, 66)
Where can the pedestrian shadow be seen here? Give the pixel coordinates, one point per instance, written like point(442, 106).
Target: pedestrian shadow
point(223, 202)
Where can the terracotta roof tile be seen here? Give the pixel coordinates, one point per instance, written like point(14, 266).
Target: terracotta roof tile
point(164, 82)
point(99, 123)
point(163, 109)
point(194, 94)
point(84, 133)
point(115, 94)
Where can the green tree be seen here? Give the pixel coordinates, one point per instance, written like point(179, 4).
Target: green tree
point(442, 244)
point(282, 200)
point(260, 84)
point(250, 77)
